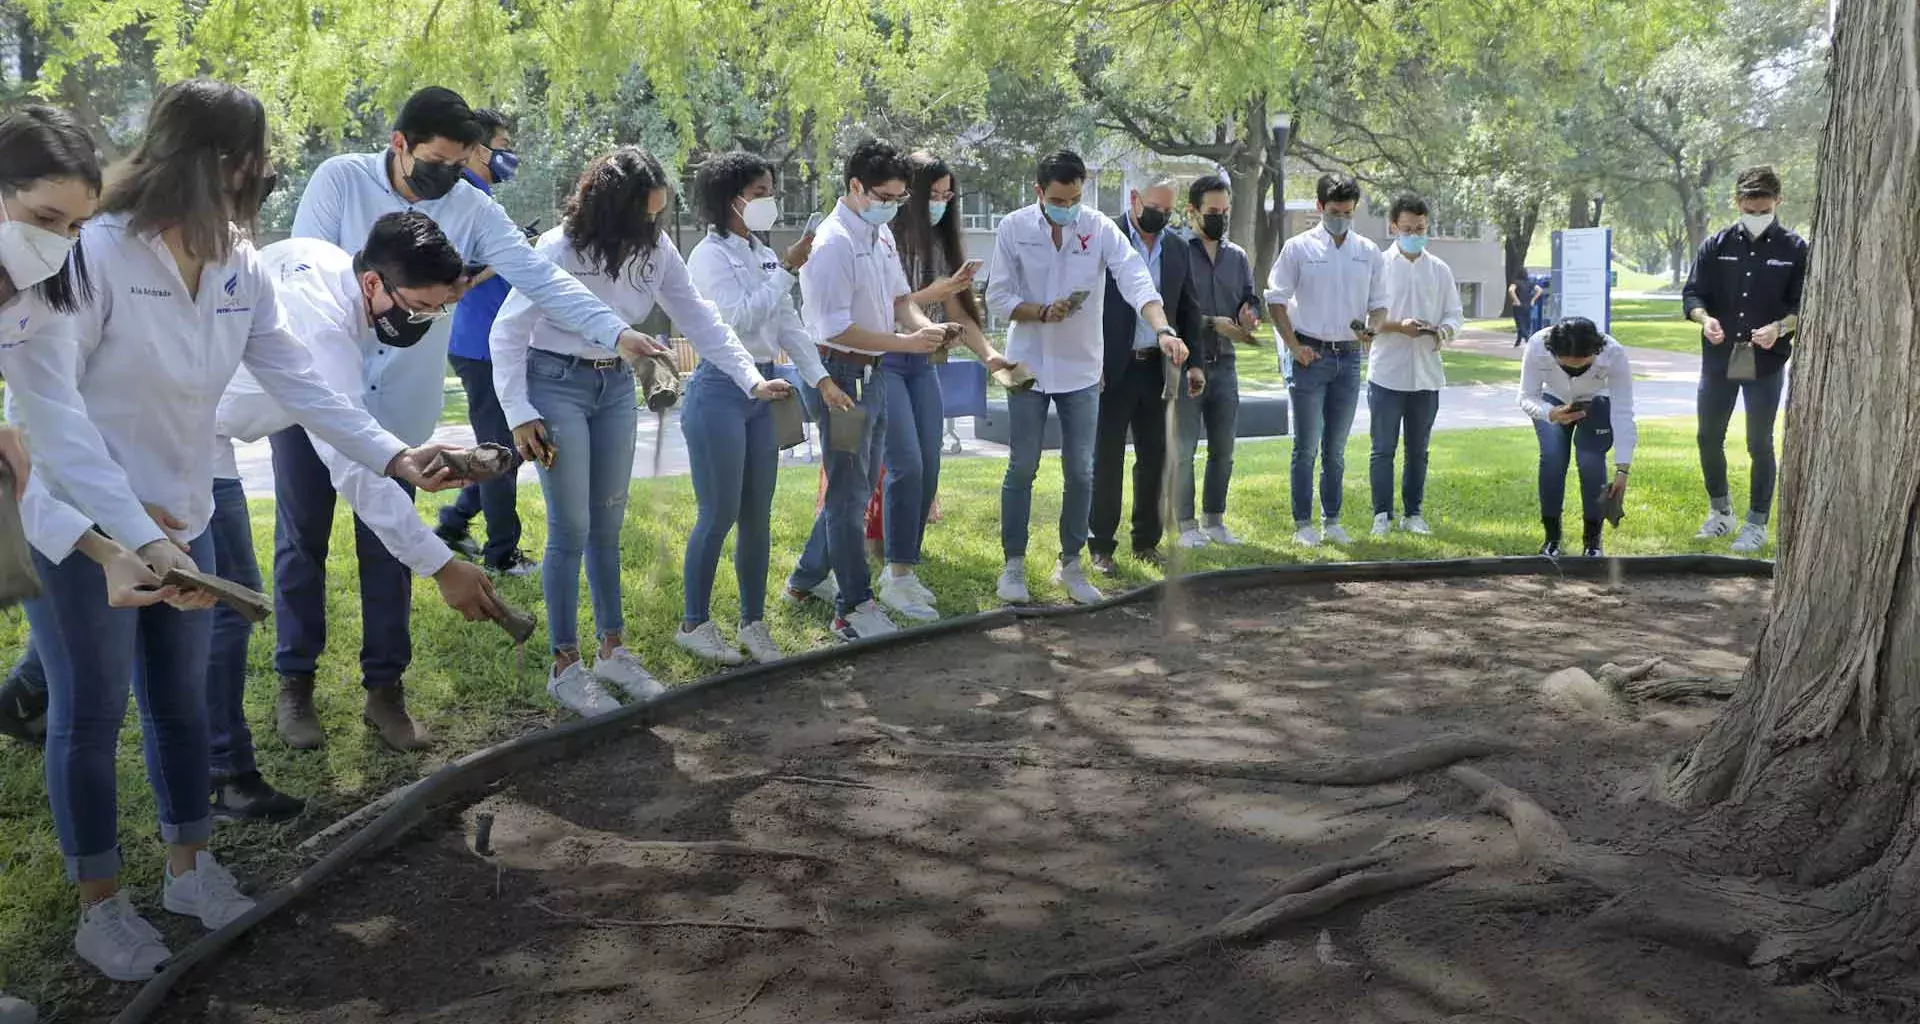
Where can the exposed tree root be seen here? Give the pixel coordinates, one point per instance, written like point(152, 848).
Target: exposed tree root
point(610, 922)
point(1541, 839)
point(713, 848)
point(1539, 896)
point(812, 780)
point(1306, 881)
point(1680, 688)
point(1717, 925)
point(1254, 925)
point(1019, 1011)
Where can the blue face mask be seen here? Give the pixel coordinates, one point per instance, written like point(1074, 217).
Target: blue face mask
point(936, 212)
point(1413, 245)
point(503, 165)
point(878, 213)
point(1064, 216)
point(1336, 226)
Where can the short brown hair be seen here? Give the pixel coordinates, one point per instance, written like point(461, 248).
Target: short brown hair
point(1758, 182)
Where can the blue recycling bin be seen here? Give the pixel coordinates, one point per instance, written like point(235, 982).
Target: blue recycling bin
point(1539, 318)
point(963, 387)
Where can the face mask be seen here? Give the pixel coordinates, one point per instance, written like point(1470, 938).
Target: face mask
point(1336, 226)
point(878, 213)
point(936, 212)
point(761, 214)
point(1152, 221)
point(503, 164)
point(1213, 225)
point(431, 180)
point(1063, 216)
point(29, 253)
point(398, 328)
point(1413, 245)
point(1756, 223)
point(1576, 371)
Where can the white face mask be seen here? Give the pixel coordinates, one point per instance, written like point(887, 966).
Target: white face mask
point(30, 254)
point(1756, 223)
point(761, 214)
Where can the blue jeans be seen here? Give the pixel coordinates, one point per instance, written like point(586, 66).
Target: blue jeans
point(1392, 411)
point(915, 415)
point(1716, 401)
point(95, 655)
point(838, 542)
point(1214, 415)
point(736, 462)
point(1585, 442)
point(302, 531)
point(496, 498)
point(231, 531)
point(591, 417)
point(1325, 395)
point(1079, 411)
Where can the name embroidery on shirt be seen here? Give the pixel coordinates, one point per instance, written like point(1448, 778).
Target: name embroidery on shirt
point(151, 293)
point(1779, 263)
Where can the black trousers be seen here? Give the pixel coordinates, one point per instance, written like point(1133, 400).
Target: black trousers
point(1133, 401)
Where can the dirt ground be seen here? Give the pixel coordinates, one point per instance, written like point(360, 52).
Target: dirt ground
point(934, 829)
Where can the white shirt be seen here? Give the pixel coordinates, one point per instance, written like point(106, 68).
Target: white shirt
point(349, 192)
point(1611, 377)
point(1326, 287)
point(660, 279)
point(1027, 267)
point(1417, 289)
point(853, 278)
point(320, 294)
point(52, 526)
point(123, 412)
point(743, 280)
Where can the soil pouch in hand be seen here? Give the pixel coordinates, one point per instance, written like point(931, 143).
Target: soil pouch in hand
point(1613, 507)
point(846, 428)
point(1740, 364)
point(789, 421)
point(1014, 376)
point(658, 378)
point(18, 580)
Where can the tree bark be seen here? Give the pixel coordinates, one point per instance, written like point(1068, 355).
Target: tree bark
point(1517, 225)
point(1813, 771)
point(1579, 212)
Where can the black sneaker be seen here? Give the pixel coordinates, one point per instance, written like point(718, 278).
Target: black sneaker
point(517, 564)
point(23, 712)
point(1550, 549)
point(460, 540)
point(249, 798)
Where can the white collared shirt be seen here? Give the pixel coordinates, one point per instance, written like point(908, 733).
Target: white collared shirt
point(1027, 267)
point(1611, 377)
point(1326, 287)
point(122, 412)
point(51, 525)
point(320, 294)
point(659, 279)
point(349, 192)
point(1417, 289)
point(743, 279)
point(852, 278)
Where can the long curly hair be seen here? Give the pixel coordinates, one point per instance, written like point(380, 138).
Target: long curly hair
point(606, 219)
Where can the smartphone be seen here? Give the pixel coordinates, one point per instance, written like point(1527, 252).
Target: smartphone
point(1581, 406)
point(813, 222)
point(971, 267)
point(1078, 299)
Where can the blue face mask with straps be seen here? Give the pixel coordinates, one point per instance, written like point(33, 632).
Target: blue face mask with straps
point(503, 165)
point(1064, 216)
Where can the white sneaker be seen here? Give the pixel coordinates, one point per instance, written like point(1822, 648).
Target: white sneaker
point(864, 621)
point(1069, 575)
point(1336, 535)
point(1013, 583)
point(1191, 538)
point(1416, 524)
point(1718, 524)
point(623, 670)
point(17, 1011)
point(705, 642)
point(827, 590)
point(1753, 537)
point(912, 581)
point(114, 938)
point(575, 689)
point(1382, 524)
point(758, 641)
point(1219, 534)
point(1307, 535)
point(897, 593)
point(208, 892)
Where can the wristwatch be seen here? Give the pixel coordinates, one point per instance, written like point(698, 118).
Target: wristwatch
point(1166, 332)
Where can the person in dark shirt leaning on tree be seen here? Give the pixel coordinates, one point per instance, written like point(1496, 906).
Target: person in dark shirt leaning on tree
point(1744, 293)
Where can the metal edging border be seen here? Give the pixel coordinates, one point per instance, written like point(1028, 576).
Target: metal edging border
point(482, 768)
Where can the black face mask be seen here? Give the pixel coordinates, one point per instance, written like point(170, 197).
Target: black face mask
point(396, 329)
point(1151, 221)
point(1573, 371)
point(1213, 225)
point(432, 180)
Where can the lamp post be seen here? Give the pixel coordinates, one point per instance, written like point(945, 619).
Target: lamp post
point(1281, 125)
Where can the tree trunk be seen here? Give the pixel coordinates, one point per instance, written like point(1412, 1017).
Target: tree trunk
point(1677, 260)
point(1517, 225)
point(1813, 770)
point(1579, 213)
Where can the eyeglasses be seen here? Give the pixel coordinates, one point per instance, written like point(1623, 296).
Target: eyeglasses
point(943, 197)
point(415, 316)
point(897, 198)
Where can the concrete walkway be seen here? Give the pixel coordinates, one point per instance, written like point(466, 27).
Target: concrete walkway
point(1664, 384)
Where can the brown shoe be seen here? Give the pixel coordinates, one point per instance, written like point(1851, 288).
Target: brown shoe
point(1103, 565)
point(387, 714)
point(1149, 556)
point(293, 715)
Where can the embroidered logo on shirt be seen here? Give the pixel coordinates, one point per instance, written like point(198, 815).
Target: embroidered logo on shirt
point(232, 285)
point(1779, 263)
point(152, 293)
point(297, 268)
point(232, 288)
point(1084, 239)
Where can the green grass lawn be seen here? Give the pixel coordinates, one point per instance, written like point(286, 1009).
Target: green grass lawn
point(473, 689)
point(1262, 368)
point(1639, 323)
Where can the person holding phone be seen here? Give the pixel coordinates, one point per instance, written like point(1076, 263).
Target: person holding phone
point(1576, 384)
point(1404, 372)
point(1229, 308)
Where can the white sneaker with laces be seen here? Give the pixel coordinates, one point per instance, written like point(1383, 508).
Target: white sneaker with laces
point(1191, 538)
point(1382, 524)
point(623, 670)
point(576, 689)
point(114, 938)
point(1753, 537)
point(705, 642)
point(827, 590)
point(866, 620)
point(758, 640)
point(1218, 533)
point(1069, 575)
point(1013, 583)
point(897, 594)
point(1416, 525)
point(1307, 535)
point(208, 892)
point(1718, 524)
point(1336, 535)
point(912, 579)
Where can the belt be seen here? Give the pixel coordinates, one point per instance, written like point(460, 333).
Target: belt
point(1321, 344)
point(834, 355)
point(1141, 355)
point(608, 363)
